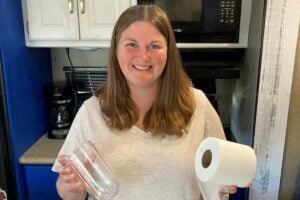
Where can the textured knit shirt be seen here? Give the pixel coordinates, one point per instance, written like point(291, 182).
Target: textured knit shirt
point(148, 167)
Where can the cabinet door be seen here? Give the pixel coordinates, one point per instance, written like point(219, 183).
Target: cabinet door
point(97, 17)
point(52, 19)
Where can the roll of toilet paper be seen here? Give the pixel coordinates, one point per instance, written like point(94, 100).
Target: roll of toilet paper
point(224, 162)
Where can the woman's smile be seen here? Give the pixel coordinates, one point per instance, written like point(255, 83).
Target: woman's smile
point(142, 67)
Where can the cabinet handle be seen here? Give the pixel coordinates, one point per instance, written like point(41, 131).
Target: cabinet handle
point(82, 6)
point(71, 6)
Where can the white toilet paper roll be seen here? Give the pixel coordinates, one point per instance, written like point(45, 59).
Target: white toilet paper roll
point(223, 162)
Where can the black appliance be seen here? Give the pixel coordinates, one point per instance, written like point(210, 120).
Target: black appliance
point(84, 82)
point(207, 21)
point(212, 63)
point(65, 98)
point(205, 66)
point(61, 110)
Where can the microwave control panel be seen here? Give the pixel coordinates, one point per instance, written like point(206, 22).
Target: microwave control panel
point(227, 11)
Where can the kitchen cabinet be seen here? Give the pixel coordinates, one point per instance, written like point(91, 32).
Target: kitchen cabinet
point(40, 182)
point(71, 23)
point(36, 164)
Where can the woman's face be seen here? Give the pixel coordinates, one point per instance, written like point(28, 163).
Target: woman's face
point(142, 55)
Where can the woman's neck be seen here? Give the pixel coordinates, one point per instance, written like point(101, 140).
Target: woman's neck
point(143, 100)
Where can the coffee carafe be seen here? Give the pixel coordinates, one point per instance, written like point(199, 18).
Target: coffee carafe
point(60, 112)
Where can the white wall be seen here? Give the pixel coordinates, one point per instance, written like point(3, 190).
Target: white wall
point(78, 57)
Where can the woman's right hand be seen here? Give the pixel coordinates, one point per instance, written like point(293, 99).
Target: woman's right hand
point(69, 185)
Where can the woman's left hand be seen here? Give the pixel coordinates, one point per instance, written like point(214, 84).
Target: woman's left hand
point(226, 190)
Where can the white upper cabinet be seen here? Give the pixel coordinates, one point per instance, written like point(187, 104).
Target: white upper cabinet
point(52, 20)
point(98, 23)
point(71, 23)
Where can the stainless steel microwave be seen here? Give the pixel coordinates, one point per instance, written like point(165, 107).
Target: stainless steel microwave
point(208, 23)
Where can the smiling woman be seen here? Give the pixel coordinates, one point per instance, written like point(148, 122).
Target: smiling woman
point(146, 120)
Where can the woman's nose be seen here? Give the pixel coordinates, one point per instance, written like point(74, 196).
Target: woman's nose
point(143, 53)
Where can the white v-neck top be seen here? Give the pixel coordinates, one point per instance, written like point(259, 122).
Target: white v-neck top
point(148, 167)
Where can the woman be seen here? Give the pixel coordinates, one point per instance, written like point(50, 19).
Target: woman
point(147, 120)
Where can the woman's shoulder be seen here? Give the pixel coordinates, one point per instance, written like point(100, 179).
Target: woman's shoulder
point(199, 95)
point(91, 102)
point(90, 113)
point(201, 100)
point(89, 106)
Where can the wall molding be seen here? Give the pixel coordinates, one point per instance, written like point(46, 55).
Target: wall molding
point(276, 74)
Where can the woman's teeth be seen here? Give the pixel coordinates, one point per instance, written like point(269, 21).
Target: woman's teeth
point(142, 68)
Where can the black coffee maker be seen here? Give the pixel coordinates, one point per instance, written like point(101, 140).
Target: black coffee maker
point(61, 110)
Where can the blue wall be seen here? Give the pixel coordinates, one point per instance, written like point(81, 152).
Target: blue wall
point(26, 74)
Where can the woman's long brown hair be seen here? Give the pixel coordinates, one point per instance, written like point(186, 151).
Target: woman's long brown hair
point(174, 105)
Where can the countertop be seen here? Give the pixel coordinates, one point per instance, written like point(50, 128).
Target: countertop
point(43, 151)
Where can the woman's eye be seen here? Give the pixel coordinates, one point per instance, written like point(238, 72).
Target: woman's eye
point(154, 46)
point(131, 44)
